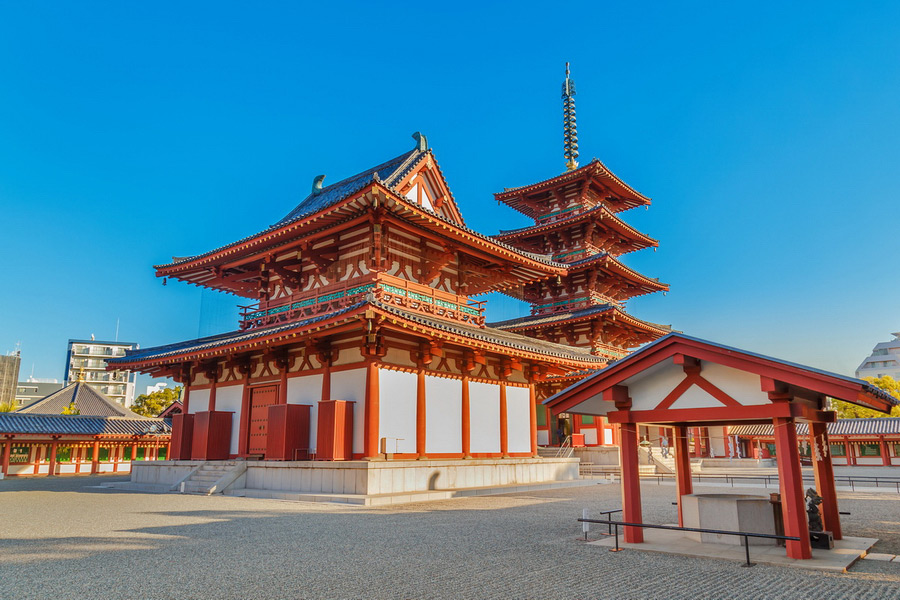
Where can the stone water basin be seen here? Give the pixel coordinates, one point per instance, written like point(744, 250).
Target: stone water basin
point(728, 512)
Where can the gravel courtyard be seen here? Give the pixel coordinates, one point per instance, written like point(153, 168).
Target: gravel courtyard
point(64, 538)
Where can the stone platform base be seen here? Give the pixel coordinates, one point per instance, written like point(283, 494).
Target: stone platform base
point(322, 479)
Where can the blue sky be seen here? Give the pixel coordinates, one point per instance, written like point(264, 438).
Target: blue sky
point(766, 134)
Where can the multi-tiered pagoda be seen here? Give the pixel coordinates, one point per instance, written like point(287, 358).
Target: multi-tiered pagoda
point(577, 222)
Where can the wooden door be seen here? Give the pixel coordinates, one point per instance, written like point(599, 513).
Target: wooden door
point(261, 398)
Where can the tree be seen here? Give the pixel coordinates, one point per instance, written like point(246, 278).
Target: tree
point(7, 407)
point(71, 409)
point(845, 410)
point(150, 405)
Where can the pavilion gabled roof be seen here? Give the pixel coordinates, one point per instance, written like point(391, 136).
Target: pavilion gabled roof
point(87, 400)
point(794, 379)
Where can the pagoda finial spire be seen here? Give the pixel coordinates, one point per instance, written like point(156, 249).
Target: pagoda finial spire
point(570, 130)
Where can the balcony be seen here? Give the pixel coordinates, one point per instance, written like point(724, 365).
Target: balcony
point(389, 290)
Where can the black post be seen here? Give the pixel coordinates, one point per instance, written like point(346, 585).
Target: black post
point(747, 548)
point(616, 549)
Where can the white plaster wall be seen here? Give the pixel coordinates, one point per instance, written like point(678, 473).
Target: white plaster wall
point(590, 436)
point(198, 401)
point(229, 399)
point(543, 437)
point(443, 415)
point(740, 385)
point(397, 410)
point(696, 397)
point(484, 417)
point(518, 419)
point(717, 440)
point(351, 386)
point(307, 389)
point(608, 436)
point(647, 392)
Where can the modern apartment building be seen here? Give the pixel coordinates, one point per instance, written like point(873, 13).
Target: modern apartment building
point(90, 356)
point(30, 391)
point(9, 376)
point(884, 360)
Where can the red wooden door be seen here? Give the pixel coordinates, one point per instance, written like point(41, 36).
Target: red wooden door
point(261, 398)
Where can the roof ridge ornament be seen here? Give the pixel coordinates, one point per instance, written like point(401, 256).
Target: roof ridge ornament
point(317, 185)
point(421, 141)
point(570, 130)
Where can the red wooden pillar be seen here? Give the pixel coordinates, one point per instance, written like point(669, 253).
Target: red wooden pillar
point(824, 473)
point(532, 416)
point(4, 463)
point(53, 448)
point(283, 366)
point(848, 450)
point(371, 425)
point(683, 482)
point(697, 451)
point(244, 424)
point(504, 424)
point(791, 483)
point(95, 458)
point(466, 425)
point(631, 482)
point(214, 377)
point(134, 452)
point(885, 455)
point(420, 413)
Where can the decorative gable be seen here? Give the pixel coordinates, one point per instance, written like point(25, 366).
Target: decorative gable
point(425, 185)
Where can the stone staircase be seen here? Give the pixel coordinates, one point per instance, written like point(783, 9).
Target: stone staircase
point(655, 463)
point(554, 452)
point(213, 477)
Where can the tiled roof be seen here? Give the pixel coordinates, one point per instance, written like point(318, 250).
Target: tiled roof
point(484, 334)
point(534, 320)
point(538, 320)
point(496, 336)
point(87, 400)
point(675, 336)
point(882, 426)
point(388, 173)
point(19, 423)
point(222, 339)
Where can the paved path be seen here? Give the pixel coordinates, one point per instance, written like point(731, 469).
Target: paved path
point(60, 539)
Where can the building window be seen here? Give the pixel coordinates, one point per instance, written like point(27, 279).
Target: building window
point(587, 420)
point(896, 448)
point(541, 416)
point(19, 454)
point(838, 450)
point(63, 454)
point(771, 448)
point(870, 449)
point(104, 454)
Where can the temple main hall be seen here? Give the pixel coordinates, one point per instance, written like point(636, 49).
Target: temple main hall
point(363, 336)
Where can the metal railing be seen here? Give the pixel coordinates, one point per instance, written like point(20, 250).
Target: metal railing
point(565, 449)
point(851, 481)
point(745, 534)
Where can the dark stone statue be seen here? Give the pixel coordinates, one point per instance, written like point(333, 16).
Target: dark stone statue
point(812, 510)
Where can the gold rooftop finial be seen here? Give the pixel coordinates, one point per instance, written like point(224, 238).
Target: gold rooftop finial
point(570, 131)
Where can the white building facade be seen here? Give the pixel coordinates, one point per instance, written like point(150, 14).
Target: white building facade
point(884, 360)
point(90, 356)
